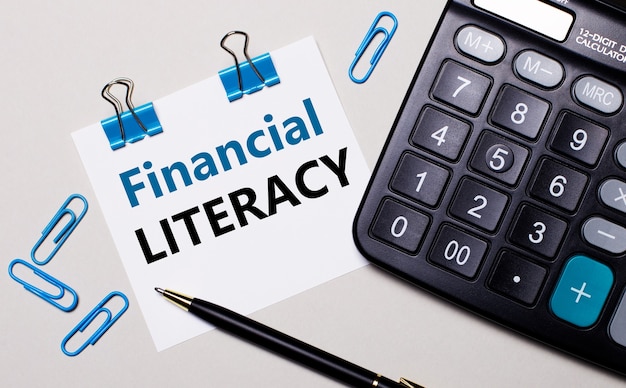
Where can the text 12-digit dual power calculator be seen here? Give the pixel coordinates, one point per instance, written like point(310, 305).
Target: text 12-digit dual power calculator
point(502, 186)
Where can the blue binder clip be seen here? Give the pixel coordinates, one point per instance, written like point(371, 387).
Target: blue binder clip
point(65, 232)
point(132, 125)
point(374, 30)
point(249, 76)
point(82, 325)
point(45, 295)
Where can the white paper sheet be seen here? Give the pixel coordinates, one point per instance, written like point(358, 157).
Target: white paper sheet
point(294, 236)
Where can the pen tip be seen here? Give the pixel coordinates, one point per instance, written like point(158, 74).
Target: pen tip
point(159, 290)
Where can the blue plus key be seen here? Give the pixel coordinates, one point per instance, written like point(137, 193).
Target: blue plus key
point(581, 291)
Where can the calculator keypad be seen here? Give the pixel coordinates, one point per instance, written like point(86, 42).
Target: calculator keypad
point(620, 155)
point(617, 328)
point(581, 292)
point(441, 133)
point(458, 251)
point(605, 234)
point(539, 69)
point(419, 179)
point(520, 112)
point(400, 225)
point(558, 184)
point(613, 194)
point(461, 87)
point(535, 230)
point(499, 158)
point(579, 139)
point(597, 94)
point(503, 186)
point(479, 205)
point(480, 44)
point(517, 278)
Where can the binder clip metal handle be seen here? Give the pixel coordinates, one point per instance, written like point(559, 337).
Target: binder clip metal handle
point(249, 76)
point(89, 318)
point(45, 295)
point(374, 30)
point(62, 236)
point(132, 125)
point(107, 95)
point(245, 53)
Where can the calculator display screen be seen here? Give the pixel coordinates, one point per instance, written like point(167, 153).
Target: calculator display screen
point(533, 14)
point(618, 3)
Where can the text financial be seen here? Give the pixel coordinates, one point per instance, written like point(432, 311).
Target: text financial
point(259, 144)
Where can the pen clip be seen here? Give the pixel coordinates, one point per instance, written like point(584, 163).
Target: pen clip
point(409, 384)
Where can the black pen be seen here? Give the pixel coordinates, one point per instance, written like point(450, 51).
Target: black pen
point(283, 344)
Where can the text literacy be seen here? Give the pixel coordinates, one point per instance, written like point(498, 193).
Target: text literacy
point(243, 204)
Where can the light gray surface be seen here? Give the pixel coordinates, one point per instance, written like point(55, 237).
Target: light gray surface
point(56, 58)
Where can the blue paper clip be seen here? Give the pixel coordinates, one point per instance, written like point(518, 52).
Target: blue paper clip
point(48, 297)
point(374, 30)
point(65, 232)
point(132, 125)
point(82, 325)
point(247, 77)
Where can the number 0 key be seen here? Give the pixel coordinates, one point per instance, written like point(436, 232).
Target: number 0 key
point(400, 225)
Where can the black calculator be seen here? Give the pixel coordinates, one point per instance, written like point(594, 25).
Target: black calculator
point(502, 185)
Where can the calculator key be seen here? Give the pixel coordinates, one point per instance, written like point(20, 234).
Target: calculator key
point(479, 205)
point(620, 154)
point(617, 327)
point(458, 251)
point(605, 234)
point(538, 231)
point(461, 87)
point(480, 44)
point(517, 278)
point(579, 138)
point(613, 194)
point(558, 184)
point(597, 94)
point(420, 179)
point(440, 133)
point(539, 69)
point(581, 292)
point(520, 112)
point(400, 225)
point(499, 158)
